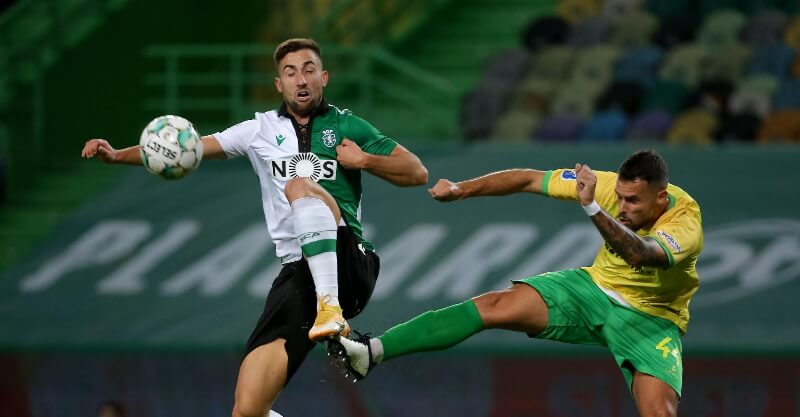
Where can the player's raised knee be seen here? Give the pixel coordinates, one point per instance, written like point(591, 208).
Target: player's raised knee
point(299, 188)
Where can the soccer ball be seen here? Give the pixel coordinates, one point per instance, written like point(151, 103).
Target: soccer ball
point(170, 147)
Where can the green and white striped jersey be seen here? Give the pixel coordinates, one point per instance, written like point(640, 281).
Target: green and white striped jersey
point(279, 150)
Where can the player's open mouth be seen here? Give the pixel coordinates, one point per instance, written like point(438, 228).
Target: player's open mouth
point(303, 96)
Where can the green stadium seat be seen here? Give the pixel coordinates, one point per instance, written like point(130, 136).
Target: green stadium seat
point(727, 62)
point(721, 28)
point(515, 126)
point(684, 64)
point(574, 99)
point(552, 64)
point(634, 30)
point(594, 67)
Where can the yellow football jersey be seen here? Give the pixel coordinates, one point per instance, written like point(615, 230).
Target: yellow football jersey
point(660, 292)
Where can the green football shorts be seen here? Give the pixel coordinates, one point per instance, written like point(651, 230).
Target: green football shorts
point(579, 312)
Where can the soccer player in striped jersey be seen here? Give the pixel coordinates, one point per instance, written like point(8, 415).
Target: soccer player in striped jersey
point(308, 156)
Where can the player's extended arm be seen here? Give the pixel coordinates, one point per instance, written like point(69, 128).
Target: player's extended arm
point(495, 184)
point(634, 249)
point(400, 167)
point(102, 149)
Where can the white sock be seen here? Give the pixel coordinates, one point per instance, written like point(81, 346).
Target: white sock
point(377, 349)
point(315, 228)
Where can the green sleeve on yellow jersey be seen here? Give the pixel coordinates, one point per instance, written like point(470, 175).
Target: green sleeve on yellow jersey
point(679, 232)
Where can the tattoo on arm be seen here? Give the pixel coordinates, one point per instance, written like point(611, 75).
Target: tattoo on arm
point(634, 249)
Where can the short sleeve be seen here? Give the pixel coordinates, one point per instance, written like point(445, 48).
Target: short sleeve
point(370, 139)
point(562, 184)
point(680, 236)
point(236, 139)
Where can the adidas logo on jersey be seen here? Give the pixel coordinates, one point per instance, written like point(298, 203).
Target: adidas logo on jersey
point(304, 165)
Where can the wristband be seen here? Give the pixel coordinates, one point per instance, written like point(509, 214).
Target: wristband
point(592, 208)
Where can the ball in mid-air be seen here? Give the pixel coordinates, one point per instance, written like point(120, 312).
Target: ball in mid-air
point(170, 147)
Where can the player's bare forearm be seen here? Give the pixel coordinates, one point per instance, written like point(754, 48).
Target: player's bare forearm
point(634, 249)
point(501, 183)
point(212, 148)
point(402, 168)
point(128, 156)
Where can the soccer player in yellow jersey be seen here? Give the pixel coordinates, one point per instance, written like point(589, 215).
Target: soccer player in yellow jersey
point(633, 299)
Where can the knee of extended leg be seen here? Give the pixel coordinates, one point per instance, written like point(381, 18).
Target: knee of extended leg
point(297, 187)
point(489, 304)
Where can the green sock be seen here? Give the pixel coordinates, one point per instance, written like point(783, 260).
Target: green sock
point(433, 330)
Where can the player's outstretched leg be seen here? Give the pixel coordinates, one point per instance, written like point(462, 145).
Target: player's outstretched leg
point(433, 330)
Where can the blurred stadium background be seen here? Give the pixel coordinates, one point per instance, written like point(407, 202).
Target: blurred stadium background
point(115, 285)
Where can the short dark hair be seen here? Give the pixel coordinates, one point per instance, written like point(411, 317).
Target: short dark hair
point(645, 165)
point(294, 45)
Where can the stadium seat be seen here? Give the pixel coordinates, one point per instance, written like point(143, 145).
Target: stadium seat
point(650, 126)
point(590, 31)
point(792, 33)
point(696, 126)
point(510, 65)
point(709, 8)
point(558, 128)
point(726, 62)
point(666, 95)
point(594, 67)
point(553, 64)
point(545, 31)
point(764, 84)
point(684, 63)
point(534, 96)
point(515, 126)
point(748, 102)
point(618, 9)
point(605, 126)
point(781, 126)
point(787, 96)
point(634, 30)
point(578, 10)
point(573, 99)
point(721, 28)
point(766, 28)
point(639, 65)
point(481, 107)
point(775, 60)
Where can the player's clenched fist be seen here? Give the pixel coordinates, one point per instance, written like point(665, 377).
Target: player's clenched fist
point(445, 190)
point(350, 155)
point(587, 181)
point(100, 148)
